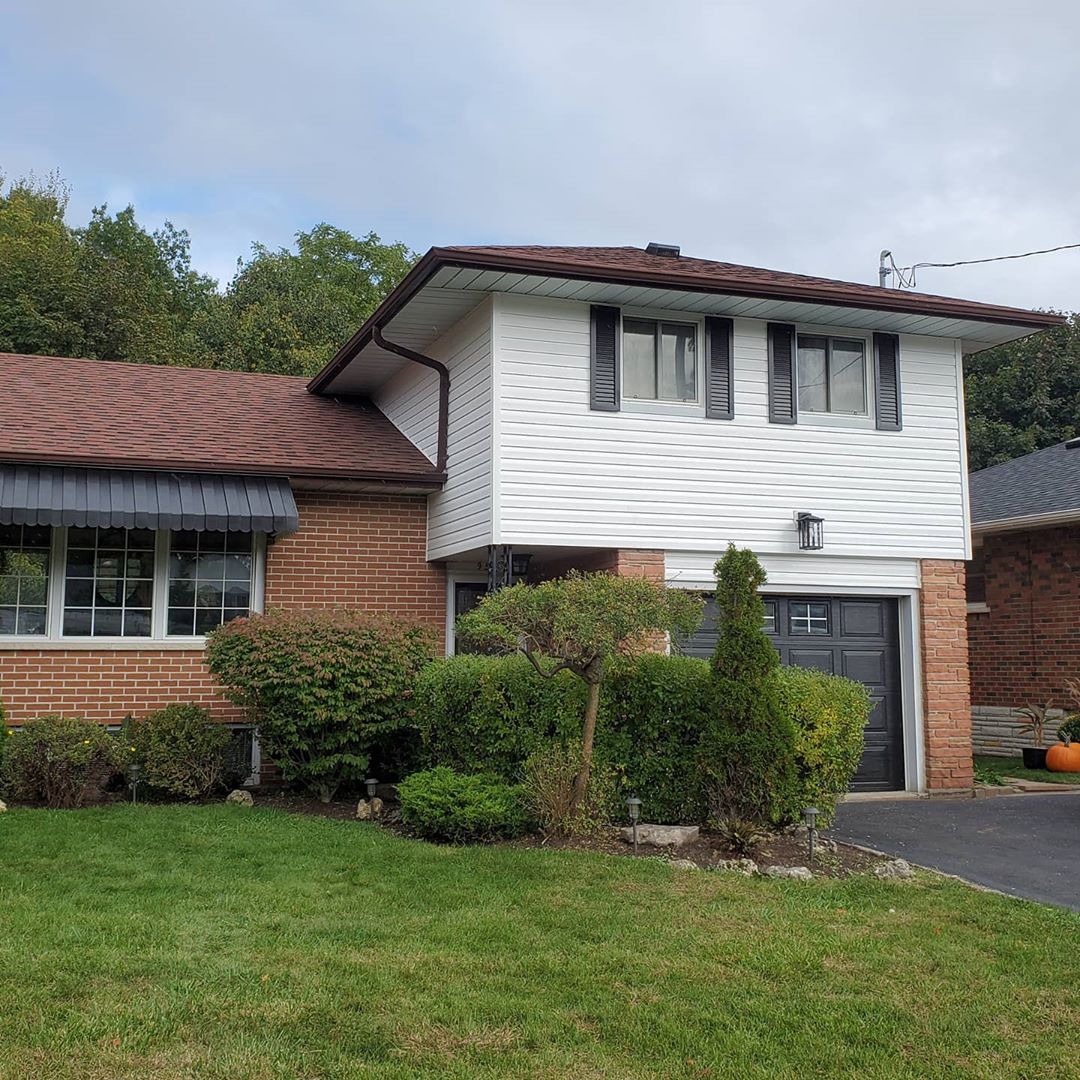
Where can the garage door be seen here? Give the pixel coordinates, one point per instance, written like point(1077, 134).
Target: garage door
point(846, 635)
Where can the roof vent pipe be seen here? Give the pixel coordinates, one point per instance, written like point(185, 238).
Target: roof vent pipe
point(668, 251)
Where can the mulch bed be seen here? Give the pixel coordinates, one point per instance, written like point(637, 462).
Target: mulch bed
point(783, 849)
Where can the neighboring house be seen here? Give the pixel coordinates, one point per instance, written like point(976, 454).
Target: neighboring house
point(514, 412)
point(1023, 592)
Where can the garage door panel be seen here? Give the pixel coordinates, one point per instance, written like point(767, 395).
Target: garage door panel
point(862, 618)
point(818, 659)
point(879, 721)
point(864, 666)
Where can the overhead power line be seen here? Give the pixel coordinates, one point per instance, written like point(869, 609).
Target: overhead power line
point(905, 275)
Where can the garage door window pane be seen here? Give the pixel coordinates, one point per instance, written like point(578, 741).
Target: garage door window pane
point(768, 624)
point(808, 617)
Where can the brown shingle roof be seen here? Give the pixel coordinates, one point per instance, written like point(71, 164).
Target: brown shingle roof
point(753, 280)
point(96, 412)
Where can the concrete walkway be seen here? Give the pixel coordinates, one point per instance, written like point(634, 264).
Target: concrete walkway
point(1025, 845)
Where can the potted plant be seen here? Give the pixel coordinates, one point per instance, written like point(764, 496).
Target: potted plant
point(1033, 722)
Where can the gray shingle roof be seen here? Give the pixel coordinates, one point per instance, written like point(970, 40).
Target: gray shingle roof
point(1046, 482)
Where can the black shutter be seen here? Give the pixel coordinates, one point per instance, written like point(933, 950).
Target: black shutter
point(604, 359)
point(887, 382)
point(783, 403)
point(719, 381)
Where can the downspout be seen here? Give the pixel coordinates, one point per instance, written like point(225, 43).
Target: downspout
point(444, 389)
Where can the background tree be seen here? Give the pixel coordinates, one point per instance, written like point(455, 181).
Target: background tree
point(40, 294)
point(1023, 396)
point(288, 312)
point(578, 623)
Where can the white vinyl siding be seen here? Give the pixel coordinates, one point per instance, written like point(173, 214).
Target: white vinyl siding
point(806, 572)
point(459, 516)
point(570, 476)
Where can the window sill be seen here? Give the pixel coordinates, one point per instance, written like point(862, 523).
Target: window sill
point(844, 420)
point(643, 406)
point(103, 644)
point(980, 608)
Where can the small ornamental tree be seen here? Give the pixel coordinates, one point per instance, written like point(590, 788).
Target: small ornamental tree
point(747, 750)
point(322, 686)
point(577, 623)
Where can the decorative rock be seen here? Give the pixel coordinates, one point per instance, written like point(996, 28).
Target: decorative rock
point(662, 835)
point(363, 810)
point(825, 846)
point(795, 873)
point(894, 868)
point(747, 867)
point(683, 864)
point(3, 807)
point(239, 797)
point(376, 806)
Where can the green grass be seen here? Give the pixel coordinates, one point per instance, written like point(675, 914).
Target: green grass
point(1014, 766)
point(218, 942)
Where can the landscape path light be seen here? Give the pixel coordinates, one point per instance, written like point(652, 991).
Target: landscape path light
point(633, 804)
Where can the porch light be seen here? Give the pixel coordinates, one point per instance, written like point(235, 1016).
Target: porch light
point(633, 804)
point(371, 784)
point(811, 531)
point(519, 565)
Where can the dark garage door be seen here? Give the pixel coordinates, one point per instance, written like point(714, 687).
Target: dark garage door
point(847, 635)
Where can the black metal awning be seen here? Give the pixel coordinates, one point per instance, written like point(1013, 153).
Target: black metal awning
point(132, 499)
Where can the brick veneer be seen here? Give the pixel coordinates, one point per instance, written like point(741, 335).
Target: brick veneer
point(625, 562)
point(1028, 643)
point(946, 689)
point(363, 551)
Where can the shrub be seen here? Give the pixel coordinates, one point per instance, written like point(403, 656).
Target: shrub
point(441, 804)
point(489, 713)
point(322, 686)
point(548, 791)
point(578, 623)
point(59, 760)
point(829, 714)
point(747, 756)
point(181, 750)
point(1069, 729)
point(654, 710)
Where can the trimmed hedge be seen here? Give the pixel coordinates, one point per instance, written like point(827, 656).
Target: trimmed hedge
point(182, 750)
point(829, 714)
point(441, 804)
point(488, 714)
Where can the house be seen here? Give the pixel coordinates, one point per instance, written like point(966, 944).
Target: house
point(510, 412)
point(1023, 592)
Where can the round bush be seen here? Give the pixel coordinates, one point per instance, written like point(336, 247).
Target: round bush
point(1070, 729)
point(440, 804)
point(181, 750)
point(59, 760)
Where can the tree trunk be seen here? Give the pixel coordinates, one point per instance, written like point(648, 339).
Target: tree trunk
point(581, 781)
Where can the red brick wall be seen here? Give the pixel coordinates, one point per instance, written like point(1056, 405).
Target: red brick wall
point(626, 561)
point(1028, 643)
point(946, 690)
point(364, 551)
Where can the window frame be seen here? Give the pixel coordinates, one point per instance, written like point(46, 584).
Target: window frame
point(865, 419)
point(158, 638)
point(657, 405)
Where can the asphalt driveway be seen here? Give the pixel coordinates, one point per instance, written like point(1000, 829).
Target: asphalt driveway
point(1025, 845)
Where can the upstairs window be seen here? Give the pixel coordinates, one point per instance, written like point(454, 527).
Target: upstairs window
point(832, 375)
point(659, 361)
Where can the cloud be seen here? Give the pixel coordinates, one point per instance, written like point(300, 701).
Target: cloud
point(795, 135)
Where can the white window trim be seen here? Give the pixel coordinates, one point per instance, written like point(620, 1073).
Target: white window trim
point(669, 408)
point(53, 638)
point(830, 419)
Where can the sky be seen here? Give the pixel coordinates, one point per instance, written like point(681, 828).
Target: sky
point(802, 136)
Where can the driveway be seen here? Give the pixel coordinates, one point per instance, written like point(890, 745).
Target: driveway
point(1025, 845)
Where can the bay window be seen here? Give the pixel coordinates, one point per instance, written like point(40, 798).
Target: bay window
point(106, 583)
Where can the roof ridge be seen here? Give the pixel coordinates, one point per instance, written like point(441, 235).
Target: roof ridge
point(146, 365)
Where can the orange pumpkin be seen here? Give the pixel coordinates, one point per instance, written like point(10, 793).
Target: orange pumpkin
point(1064, 757)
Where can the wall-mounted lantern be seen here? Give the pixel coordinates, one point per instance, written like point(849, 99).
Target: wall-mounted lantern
point(506, 566)
point(811, 531)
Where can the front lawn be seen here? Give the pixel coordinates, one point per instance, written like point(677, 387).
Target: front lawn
point(1014, 767)
point(219, 942)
